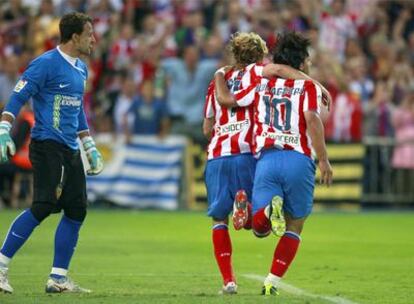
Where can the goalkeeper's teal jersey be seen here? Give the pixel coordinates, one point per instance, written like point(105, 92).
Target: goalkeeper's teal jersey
point(56, 87)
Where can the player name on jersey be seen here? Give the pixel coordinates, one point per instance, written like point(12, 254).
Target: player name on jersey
point(278, 91)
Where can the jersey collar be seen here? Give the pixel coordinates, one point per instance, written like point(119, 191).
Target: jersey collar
point(70, 59)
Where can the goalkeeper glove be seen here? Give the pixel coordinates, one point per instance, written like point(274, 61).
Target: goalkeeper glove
point(94, 157)
point(7, 147)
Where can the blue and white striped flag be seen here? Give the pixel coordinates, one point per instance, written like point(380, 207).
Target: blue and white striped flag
point(144, 174)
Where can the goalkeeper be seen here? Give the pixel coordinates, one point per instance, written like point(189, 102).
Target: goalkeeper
point(55, 81)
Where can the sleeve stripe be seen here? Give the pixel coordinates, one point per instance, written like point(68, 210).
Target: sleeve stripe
point(241, 96)
point(209, 109)
point(318, 97)
point(246, 91)
point(312, 97)
point(208, 105)
point(213, 104)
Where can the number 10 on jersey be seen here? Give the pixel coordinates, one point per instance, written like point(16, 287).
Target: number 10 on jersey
point(278, 112)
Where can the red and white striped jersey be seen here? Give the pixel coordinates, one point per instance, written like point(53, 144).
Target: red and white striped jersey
point(279, 106)
point(233, 128)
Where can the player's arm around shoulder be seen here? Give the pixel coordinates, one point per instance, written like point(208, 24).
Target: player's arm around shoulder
point(92, 153)
point(284, 71)
point(223, 95)
point(241, 98)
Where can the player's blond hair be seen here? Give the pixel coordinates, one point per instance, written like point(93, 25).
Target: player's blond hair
point(247, 48)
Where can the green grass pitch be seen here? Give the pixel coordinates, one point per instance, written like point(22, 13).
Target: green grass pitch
point(162, 257)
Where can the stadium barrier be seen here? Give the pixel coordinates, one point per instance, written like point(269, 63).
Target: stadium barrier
point(386, 182)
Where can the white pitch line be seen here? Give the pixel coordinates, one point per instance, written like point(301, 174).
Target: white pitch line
point(107, 274)
point(300, 292)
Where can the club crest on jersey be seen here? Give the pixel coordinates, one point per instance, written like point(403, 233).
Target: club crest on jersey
point(20, 85)
point(234, 84)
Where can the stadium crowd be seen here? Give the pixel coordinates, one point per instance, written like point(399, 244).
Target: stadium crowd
point(149, 53)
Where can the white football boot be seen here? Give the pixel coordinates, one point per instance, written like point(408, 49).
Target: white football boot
point(229, 289)
point(4, 281)
point(64, 285)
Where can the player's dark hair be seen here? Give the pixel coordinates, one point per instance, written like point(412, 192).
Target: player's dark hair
point(72, 23)
point(291, 49)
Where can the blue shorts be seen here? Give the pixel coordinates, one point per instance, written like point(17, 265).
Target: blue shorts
point(288, 174)
point(224, 177)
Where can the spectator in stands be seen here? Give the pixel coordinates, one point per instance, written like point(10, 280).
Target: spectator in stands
point(411, 48)
point(16, 19)
point(156, 31)
point(122, 49)
point(401, 77)
point(8, 78)
point(403, 157)
point(212, 47)
point(11, 172)
point(192, 32)
point(377, 123)
point(103, 13)
point(45, 29)
point(235, 21)
point(346, 116)
point(149, 114)
point(20, 161)
point(293, 17)
point(125, 99)
point(336, 27)
point(382, 56)
point(377, 113)
point(21, 138)
point(14, 10)
point(187, 81)
point(68, 6)
point(354, 49)
point(359, 81)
